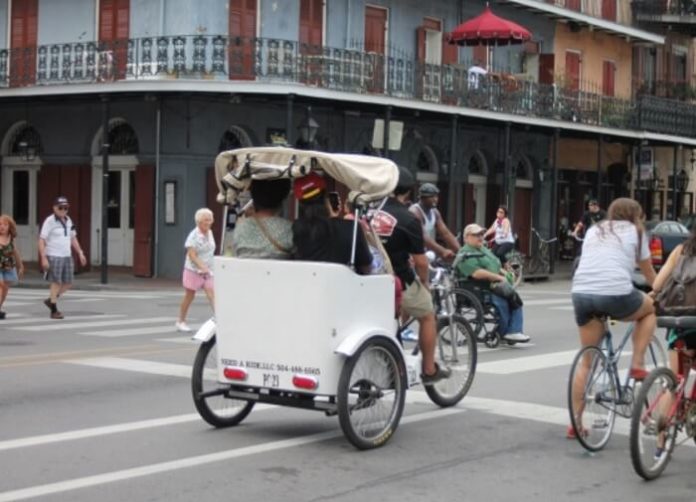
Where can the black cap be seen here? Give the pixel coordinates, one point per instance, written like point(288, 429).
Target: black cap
point(61, 200)
point(406, 179)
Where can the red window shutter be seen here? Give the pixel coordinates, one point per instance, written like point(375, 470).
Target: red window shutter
point(546, 68)
point(420, 44)
point(450, 52)
point(481, 54)
point(243, 18)
point(608, 71)
point(24, 23)
point(311, 22)
point(572, 70)
point(375, 27)
point(122, 19)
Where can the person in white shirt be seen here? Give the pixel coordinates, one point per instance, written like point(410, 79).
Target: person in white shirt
point(475, 74)
point(603, 284)
point(198, 268)
point(56, 240)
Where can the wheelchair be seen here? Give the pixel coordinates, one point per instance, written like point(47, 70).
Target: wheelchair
point(473, 301)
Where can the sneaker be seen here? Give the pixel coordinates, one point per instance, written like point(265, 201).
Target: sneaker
point(516, 337)
point(48, 303)
point(57, 315)
point(2, 314)
point(639, 374)
point(570, 433)
point(183, 327)
point(408, 335)
point(440, 374)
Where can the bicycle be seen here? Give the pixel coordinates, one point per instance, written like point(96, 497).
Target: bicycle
point(540, 262)
point(603, 395)
point(667, 407)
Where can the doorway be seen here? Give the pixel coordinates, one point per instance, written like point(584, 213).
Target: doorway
point(121, 215)
point(19, 201)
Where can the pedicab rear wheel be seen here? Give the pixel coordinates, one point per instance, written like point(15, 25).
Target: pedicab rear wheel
point(213, 407)
point(371, 393)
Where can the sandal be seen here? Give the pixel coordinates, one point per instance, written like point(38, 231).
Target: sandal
point(570, 433)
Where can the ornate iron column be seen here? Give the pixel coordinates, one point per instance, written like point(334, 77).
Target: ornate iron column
point(105, 190)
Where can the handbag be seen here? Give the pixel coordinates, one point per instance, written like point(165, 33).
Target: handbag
point(505, 290)
point(678, 295)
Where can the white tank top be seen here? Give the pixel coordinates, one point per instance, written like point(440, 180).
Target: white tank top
point(500, 237)
point(428, 222)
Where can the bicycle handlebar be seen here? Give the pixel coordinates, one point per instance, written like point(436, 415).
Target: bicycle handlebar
point(547, 241)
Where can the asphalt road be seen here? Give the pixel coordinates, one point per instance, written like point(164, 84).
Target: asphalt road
point(98, 407)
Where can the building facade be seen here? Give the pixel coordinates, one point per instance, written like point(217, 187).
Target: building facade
point(156, 88)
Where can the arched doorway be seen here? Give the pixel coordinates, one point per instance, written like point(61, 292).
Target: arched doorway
point(21, 161)
point(121, 195)
point(477, 196)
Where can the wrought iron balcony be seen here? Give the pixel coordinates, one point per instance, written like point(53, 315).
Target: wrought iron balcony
point(616, 12)
point(682, 91)
point(679, 15)
point(209, 57)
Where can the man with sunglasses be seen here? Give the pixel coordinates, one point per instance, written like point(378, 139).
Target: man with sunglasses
point(56, 240)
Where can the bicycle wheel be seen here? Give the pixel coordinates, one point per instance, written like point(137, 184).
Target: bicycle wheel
point(216, 409)
point(592, 399)
point(371, 394)
point(656, 355)
point(456, 350)
point(468, 305)
point(653, 433)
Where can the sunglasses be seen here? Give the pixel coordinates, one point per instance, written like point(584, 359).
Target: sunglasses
point(63, 208)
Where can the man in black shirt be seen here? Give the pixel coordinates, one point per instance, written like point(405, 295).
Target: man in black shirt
point(590, 217)
point(402, 236)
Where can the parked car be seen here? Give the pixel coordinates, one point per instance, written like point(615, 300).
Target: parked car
point(689, 221)
point(663, 237)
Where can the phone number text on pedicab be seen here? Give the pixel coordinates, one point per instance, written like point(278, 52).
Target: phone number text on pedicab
point(278, 367)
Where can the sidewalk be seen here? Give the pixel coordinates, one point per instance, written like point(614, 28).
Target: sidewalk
point(118, 279)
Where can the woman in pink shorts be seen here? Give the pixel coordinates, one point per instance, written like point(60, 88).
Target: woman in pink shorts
point(198, 268)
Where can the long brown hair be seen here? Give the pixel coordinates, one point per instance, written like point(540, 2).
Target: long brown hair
point(625, 209)
point(12, 230)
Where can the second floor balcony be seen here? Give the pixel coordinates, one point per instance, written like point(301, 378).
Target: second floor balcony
point(273, 61)
point(679, 15)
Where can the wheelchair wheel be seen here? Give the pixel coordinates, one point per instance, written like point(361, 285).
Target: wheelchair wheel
point(491, 326)
point(371, 393)
point(469, 307)
point(456, 350)
point(208, 397)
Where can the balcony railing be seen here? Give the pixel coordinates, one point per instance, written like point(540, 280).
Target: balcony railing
point(657, 8)
point(618, 12)
point(224, 58)
point(682, 91)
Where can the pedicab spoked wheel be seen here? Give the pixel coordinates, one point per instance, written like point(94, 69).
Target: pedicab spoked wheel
point(469, 306)
point(592, 406)
point(456, 349)
point(214, 408)
point(653, 434)
point(371, 393)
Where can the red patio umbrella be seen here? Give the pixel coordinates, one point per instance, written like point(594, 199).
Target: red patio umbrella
point(489, 29)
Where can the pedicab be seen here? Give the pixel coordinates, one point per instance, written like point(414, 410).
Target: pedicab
point(311, 335)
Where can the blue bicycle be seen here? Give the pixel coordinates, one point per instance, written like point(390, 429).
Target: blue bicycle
point(599, 393)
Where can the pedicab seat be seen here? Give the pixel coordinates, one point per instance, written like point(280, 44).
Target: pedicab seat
point(279, 319)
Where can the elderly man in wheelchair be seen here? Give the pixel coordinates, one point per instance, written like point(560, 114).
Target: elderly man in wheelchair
point(478, 270)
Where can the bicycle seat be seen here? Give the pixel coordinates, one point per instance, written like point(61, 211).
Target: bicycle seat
point(676, 322)
point(600, 316)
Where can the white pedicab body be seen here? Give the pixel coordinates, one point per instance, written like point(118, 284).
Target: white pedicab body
point(305, 334)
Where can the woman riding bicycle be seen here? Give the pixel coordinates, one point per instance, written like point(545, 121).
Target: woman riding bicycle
point(603, 286)
point(503, 240)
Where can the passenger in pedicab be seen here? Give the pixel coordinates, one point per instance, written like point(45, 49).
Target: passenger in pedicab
point(319, 234)
point(265, 234)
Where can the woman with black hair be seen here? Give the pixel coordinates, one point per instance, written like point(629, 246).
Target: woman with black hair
point(264, 234)
point(318, 233)
point(503, 238)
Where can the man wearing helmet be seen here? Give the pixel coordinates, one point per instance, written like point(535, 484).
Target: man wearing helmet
point(433, 224)
point(402, 236)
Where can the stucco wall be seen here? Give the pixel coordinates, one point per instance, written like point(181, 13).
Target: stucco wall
point(595, 48)
point(581, 154)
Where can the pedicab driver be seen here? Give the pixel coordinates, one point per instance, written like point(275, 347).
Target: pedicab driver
point(433, 224)
point(402, 235)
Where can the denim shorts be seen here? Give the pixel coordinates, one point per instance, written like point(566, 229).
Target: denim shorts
point(9, 276)
point(589, 306)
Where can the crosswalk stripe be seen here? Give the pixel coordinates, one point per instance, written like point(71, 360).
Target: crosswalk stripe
point(136, 365)
point(179, 339)
point(569, 307)
point(78, 325)
point(114, 333)
point(53, 322)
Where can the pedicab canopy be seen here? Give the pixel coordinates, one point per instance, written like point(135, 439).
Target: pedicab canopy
point(368, 178)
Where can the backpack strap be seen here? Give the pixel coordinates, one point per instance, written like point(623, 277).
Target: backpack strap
point(267, 235)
